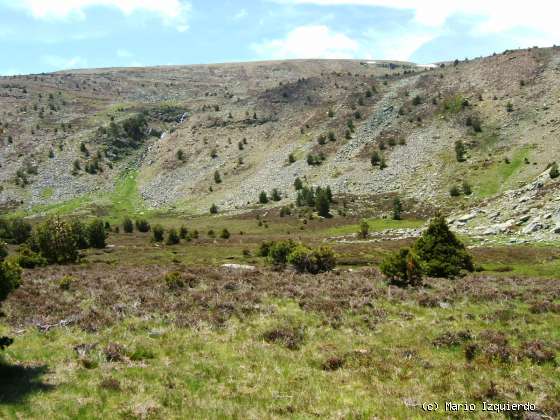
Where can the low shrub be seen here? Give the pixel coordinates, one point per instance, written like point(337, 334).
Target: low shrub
point(157, 233)
point(97, 234)
point(65, 282)
point(364, 229)
point(174, 280)
point(172, 237)
point(312, 261)
point(81, 234)
point(27, 258)
point(128, 226)
point(402, 269)
point(56, 242)
point(142, 225)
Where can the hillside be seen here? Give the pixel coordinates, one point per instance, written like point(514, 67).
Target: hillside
point(157, 262)
point(134, 140)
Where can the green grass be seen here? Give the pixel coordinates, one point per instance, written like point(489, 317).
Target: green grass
point(496, 178)
point(125, 199)
point(232, 372)
point(63, 208)
point(47, 193)
point(452, 105)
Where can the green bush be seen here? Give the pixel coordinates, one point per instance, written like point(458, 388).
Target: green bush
point(65, 282)
point(225, 234)
point(56, 242)
point(364, 229)
point(172, 237)
point(158, 232)
point(142, 225)
point(174, 280)
point(263, 197)
point(10, 278)
point(264, 248)
point(375, 158)
point(554, 173)
point(313, 261)
point(3, 251)
point(183, 232)
point(279, 251)
point(20, 230)
point(460, 151)
point(322, 203)
point(81, 235)
point(97, 234)
point(454, 191)
point(397, 208)
point(402, 269)
point(128, 226)
point(441, 253)
point(26, 258)
point(275, 195)
point(213, 209)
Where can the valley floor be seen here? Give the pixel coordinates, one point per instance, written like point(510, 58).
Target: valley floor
point(110, 338)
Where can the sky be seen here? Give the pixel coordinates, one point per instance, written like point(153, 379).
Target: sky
point(47, 35)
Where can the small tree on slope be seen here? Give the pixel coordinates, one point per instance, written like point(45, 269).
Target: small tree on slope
point(441, 253)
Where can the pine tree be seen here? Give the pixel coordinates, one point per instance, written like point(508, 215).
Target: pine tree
point(364, 229)
point(375, 158)
point(97, 234)
point(397, 208)
point(554, 173)
point(263, 198)
point(441, 253)
point(275, 195)
point(298, 185)
point(322, 203)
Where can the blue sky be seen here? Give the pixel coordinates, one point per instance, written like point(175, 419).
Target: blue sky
point(47, 35)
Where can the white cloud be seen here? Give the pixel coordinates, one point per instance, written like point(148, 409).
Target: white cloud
point(395, 45)
point(173, 12)
point(64, 63)
point(495, 16)
point(313, 41)
point(240, 15)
